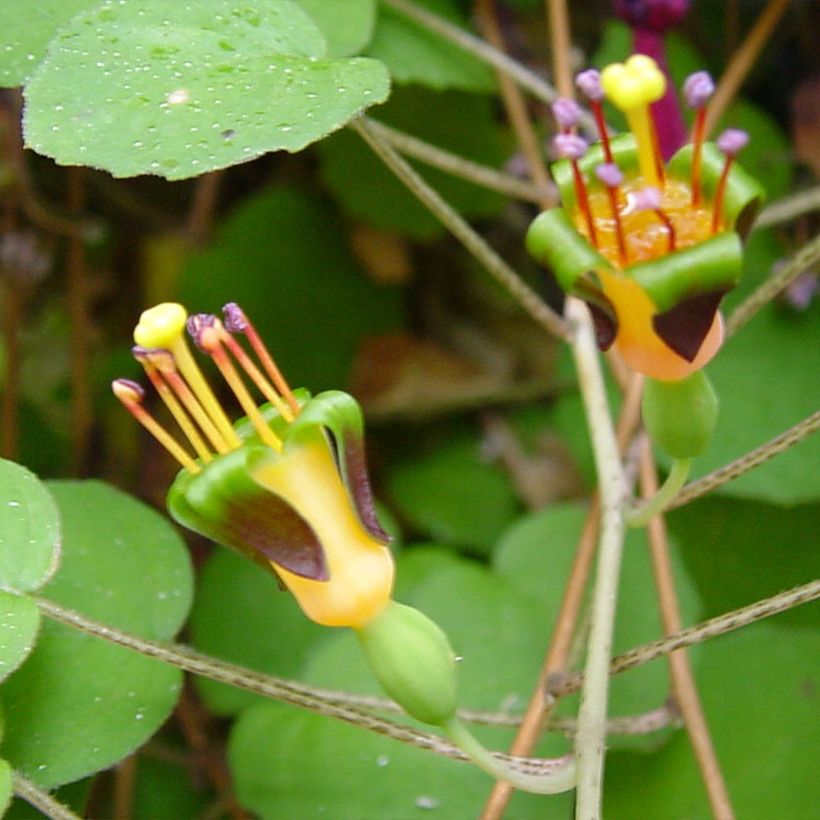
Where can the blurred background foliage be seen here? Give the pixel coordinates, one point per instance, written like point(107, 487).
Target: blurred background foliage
point(478, 445)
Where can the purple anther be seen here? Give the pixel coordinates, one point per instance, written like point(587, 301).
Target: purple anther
point(732, 141)
point(566, 112)
point(589, 83)
point(197, 324)
point(697, 88)
point(646, 199)
point(142, 354)
point(235, 319)
point(610, 174)
point(128, 390)
point(655, 15)
point(569, 146)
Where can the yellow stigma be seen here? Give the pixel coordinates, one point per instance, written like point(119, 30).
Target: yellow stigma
point(632, 86)
point(161, 326)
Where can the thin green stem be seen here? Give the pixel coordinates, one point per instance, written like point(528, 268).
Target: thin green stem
point(803, 429)
point(642, 514)
point(461, 167)
point(560, 778)
point(455, 223)
point(41, 799)
point(789, 208)
point(591, 736)
point(807, 256)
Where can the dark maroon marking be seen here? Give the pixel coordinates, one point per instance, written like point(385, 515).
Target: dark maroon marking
point(684, 327)
point(359, 486)
point(606, 328)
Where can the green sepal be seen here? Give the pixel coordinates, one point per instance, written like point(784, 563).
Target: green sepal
point(744, 195)
point(413, 661)
point(555, 242)
point(680, 416)
point(624, 154)
point(225, 504)
point(339, 413)
point(710, 266)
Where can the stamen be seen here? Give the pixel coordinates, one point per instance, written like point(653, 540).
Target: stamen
point(632, 86)
point(610, 175)
point(236, 321)
point(697, 89)
point(256, 375)
point(162, 326)
point(157, 363)
point(207, 337)
point(589, 83)
point(573, 147)
point(131, 395)
point(649, 199)
point(164, 363)
point(567, 113)
point(730, 142)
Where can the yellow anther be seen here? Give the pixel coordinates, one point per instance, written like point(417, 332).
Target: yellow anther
point(633, 84)
point(161, 326)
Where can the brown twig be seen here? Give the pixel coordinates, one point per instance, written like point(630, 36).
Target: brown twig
point(561, 44)
point(684, 688)
point(514, 103)
point(81, 414)
point(125, 778)
point(743, 60)
point(203, 206)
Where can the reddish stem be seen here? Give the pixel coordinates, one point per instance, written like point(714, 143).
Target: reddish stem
point(697, 146)
point(583, 202)
point(598, 113)
point(717, 206)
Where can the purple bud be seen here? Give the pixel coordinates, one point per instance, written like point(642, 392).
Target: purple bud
point(197, 324)
point(655, 15)
point(235, 319)
point(566, 112)
point(589, 83)
point(610, 174)
point(697, 88)
point(732, 141)
point(646, 199)
point(569, 146)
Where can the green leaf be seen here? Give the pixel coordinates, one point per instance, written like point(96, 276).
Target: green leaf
point(758, 693)
point(19, 623)
point(79, 704)
point(29, 530)
point(165, 789)
point(741, 551)
point(6, 786)
point(241, 615)
point(27, 35)
point(347, 33)
point(297, 282)
point(462, 123)
point(181, 89)
point(450, 494)
point(416, 55)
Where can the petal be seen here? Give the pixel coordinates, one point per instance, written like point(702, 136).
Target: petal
point(684, 327)
point(225, 504)
point(340, 414)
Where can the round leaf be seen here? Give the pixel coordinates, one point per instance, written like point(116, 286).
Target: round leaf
point(346, 33)
point(29, 530)
point(79, 704)
point(19, 622)
point(178, 89)
point(26, 36)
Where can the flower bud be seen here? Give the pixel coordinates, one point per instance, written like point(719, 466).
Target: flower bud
point(680, 416)
point(413, 661)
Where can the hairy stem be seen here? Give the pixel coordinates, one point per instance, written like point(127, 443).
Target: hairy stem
point(695, 489)
point(464, 168)
point(591, 734)
point(807, 256)
point(789, 208)
point(41, 799)
point(457, 225)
